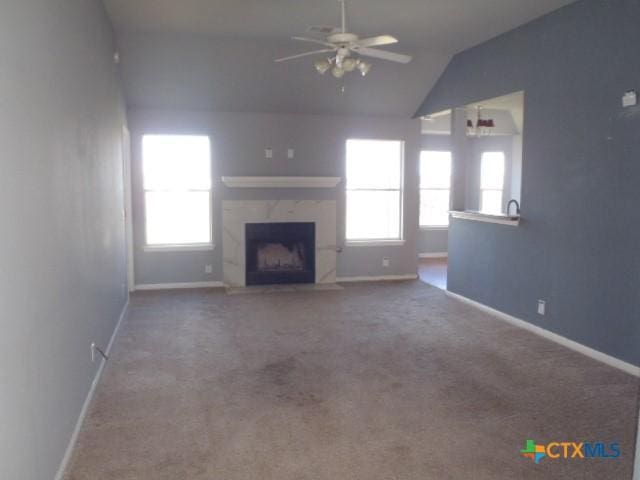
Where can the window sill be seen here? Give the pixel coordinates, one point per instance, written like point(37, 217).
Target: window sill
point(436, 228)
point(375, 243)
point(179, 248)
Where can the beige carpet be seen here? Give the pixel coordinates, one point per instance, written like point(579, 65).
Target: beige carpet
point(375, 382)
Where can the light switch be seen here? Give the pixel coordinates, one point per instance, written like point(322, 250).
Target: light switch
point(268, 153)
point(542, 307)
point(290, 153)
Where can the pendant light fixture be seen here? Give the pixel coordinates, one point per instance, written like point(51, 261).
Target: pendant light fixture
point(483, 126)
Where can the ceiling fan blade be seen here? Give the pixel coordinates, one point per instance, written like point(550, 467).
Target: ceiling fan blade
point(376, 41)
point(316, 52)
point(313, 40)
point(384, 55)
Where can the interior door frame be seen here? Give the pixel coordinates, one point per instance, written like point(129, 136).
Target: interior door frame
point(126, 180)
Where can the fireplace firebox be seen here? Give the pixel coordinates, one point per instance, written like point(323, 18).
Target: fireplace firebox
point(280, 253)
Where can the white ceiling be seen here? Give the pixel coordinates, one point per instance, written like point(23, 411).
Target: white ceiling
point(447, 26)
point(217, 54)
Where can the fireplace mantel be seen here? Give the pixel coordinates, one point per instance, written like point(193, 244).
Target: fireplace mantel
point(281, 182)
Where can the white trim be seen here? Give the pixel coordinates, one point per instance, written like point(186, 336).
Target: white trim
point(380, 278)
point(554, 337)
point(433, 228)
point(636, 475)
point(179, 286)
point(434, 255)
point(281, 182)
point(128, 206)
point(487, 218)
point(87, 402)
point(375, 243)
point(179, 248)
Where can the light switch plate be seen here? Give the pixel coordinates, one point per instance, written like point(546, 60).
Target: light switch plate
point(630, 99)
point(268, 153)
point(542, 307)
point(290, 153)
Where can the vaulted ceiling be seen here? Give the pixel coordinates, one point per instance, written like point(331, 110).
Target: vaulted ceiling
point(217, 54)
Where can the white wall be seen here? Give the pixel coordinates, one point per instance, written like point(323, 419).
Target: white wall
point(62, 262)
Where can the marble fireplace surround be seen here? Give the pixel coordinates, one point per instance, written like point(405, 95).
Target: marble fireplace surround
point(235, 214)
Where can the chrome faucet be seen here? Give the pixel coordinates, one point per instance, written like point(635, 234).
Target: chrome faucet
point(509, 207)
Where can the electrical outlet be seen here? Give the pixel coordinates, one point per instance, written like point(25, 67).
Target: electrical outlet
point(542, 307)
point(208, 269)
point(290, 153)
point(268, 153)
point(93, 353)
point(386, 262)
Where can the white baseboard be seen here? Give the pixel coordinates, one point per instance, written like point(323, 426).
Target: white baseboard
point(636, 474)
point(87, 402)
point(179, 286)
point(434, 255)
point(381, 278)
point(554, 337)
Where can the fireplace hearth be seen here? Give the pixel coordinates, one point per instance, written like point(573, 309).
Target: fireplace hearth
point(280, 253)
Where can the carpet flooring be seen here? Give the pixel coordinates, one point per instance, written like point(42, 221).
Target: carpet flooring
point(375, 382)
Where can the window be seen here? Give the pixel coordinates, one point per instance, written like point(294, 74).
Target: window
point(435, 188)
point(491, 182)
point(374, 190)
point(177, 190)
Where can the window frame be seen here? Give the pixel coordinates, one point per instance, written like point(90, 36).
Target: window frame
point(501, 190)
point(177, 247)
point(420, 190)
point(371, 242)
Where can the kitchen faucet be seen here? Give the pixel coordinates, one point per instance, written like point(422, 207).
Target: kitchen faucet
point(517, 207)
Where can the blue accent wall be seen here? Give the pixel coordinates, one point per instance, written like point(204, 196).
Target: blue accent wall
point(578, 246)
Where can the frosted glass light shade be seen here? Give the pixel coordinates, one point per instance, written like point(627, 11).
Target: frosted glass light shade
point(322, 66)
point(364, 68)
point(349, 65)
point(337, 72)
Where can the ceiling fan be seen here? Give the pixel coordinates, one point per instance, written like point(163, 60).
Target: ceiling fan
point(345, 48)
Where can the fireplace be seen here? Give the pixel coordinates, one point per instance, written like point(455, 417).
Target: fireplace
point(280, 253)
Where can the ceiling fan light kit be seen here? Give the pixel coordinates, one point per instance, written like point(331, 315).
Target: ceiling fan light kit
point(322, 66)
point(364, 67)
point(346, 49)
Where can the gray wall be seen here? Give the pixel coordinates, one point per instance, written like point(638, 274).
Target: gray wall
point(577, 245)
point(433, 241)
point(194, 72)
point(62, 264)
point(238, 143)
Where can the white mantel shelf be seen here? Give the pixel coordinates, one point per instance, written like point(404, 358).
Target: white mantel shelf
point(281, 182)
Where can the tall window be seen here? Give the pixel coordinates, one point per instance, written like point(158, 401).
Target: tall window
point(374, 189)
point(435, 188)
point(177, 190)
point(492, 182)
